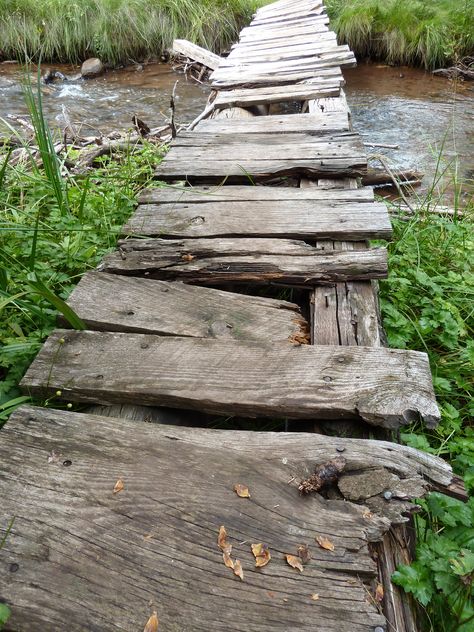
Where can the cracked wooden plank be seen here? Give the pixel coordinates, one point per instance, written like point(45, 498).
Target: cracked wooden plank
point(385, 387)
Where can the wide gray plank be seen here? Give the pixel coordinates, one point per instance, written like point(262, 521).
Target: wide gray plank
point(242, 260)
point(303, 220)
point(80, 549)
point(229, 194)
point(246, 97)
point(117, 303)
point(278, 124)
point(384, 387)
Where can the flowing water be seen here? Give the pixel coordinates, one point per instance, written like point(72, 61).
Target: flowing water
point(395, 106)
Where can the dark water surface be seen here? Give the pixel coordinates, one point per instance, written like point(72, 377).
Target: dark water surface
point(401, 106)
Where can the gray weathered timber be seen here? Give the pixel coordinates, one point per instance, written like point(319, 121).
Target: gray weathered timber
point(277, 124)
point(260, 156)
point(243, 57)
point(304, 220)
point(385, 387)
point(212, 261)
point(228, 194)
point(89, 559)
point(116, 303)
point(196, 53)
point(246, 97)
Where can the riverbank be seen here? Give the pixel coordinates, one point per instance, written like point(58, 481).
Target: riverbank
point(430, 34)
point(134, 30)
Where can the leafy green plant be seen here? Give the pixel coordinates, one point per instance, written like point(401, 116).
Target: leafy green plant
point(442, 576)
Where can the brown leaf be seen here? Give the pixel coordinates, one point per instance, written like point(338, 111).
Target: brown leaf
point(304, 553)
point(187, 257)
point(238, 570)
point(152, 624)
point(118, 486)
point(315, 596)
point(294, 562)
point(379, 593)
point(228, 561)
point(324, 543)
point(261, 554)
point(241, 490)
point(222, 541)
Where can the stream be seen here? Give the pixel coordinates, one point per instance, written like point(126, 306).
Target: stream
point(395, 106)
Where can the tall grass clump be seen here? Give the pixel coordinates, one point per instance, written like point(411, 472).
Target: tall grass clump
point(428, 33)
point(52, 229)
point(427, 304)
point(115, 30)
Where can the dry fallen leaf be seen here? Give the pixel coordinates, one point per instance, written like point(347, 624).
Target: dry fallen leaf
point(187, 257)
point(118, 486)
point(238, 570)
point(315, 596)
point(152, 623)
point(222, 541)
point(241, 490)
point(228, 561)
point(379, 593)
point(324, 543)
point(294, 562)
point(261, 553)
point(304, 553)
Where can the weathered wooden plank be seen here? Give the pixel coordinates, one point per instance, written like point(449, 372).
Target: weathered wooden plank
point(243, 57)
point(246, 97)
point(384, 387)
point(196, 53)
point(242, 260)
point(278, 124)
point(223, 194)
point(280, 43)
point(280, 77)
point(260, 156)
point(109, 302)
point(77, 548)
point(305, 220)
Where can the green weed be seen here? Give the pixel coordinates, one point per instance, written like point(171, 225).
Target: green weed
point(406, 32)
point(115, 30)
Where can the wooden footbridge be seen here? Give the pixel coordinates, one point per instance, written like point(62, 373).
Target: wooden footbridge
point(116, 517)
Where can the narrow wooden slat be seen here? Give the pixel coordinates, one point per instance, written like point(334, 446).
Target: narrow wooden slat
point(197, 53)
point(275, 94)
point(242, 260)
point(278, 124)
point(305, 220)
point(384, 387)
point(109, 302)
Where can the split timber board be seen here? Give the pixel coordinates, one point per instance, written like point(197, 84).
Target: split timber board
point(196, 53)
point(244, 58)
point(213, 261)
point(93, 560)
point(110, 302)
point(316, 125)
point(247, 97)
point(259, 156)
point(304, 219)
point(386, 387)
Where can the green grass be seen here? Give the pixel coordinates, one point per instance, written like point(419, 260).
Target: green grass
point(52, 230)
point(428, 33)
point(115, 30)
point(427, 304)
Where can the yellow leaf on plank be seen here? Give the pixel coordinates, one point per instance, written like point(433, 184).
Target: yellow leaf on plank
point(315, 596)
point(261, 553)
point(118, 486)
point(379, 593)
point(222, 541)
point(152, 623)
point(294, 562)
point(238, 570)
point(228, 561)
point(324, 543)
point(241, 490)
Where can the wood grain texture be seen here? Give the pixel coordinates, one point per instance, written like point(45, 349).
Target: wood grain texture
point(108, 302)
point(277, 124)
point(275, 94)
point(304, 220)
point(242, 260)
point(80, 549)
point(384, 387)
point(258, 156)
